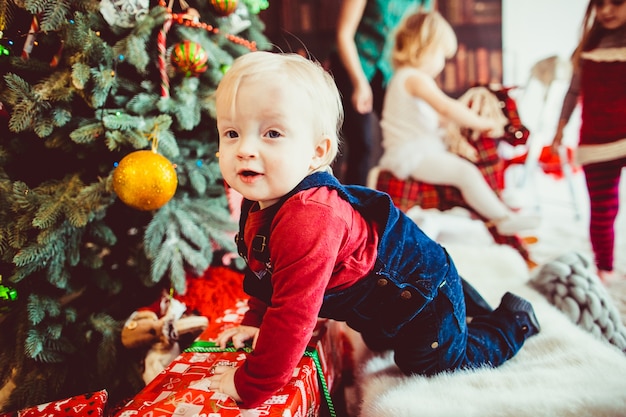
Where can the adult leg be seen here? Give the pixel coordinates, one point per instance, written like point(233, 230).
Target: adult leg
point(357, 131)
point(359, 134)
point(603, 186)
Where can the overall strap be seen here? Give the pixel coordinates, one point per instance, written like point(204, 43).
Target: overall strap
point(260, 243)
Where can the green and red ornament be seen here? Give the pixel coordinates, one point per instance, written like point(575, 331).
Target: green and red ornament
point(145, 180)
point(224, 7)
point(189, 58)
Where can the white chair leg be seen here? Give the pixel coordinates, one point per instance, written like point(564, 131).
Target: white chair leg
point(568, 173)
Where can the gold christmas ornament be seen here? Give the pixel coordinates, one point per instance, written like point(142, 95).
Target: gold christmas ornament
point(145, 180)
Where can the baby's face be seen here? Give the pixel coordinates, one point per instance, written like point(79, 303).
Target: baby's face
point(268, 142)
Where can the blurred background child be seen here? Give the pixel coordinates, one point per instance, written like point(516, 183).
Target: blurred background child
point(414, 115)
point(599, 79)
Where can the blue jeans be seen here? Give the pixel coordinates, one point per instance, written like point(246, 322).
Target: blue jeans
point(440, 339)
point(437, 338)
point(413, 301)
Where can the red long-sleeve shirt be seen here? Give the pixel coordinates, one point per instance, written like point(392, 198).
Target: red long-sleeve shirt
point(318, 242)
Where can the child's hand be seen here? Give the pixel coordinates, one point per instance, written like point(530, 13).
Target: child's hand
point(493, 128)
point(459, 144)
point(557, 141)
point(223, 380)
point(238, 335)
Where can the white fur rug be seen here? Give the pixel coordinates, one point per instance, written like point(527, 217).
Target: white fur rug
point(563, 371)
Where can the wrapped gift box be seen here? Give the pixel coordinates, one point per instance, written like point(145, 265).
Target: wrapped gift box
point(181, 390)
point(91, 404)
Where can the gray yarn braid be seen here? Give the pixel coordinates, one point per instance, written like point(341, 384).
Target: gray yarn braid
point(568, 283)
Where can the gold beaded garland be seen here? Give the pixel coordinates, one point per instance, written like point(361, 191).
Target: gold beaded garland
point(184, 19)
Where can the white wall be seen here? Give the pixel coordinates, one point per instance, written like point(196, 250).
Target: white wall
point(535, 29)
point(531, 31)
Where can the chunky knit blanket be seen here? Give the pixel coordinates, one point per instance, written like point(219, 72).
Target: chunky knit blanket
point(569, 283)
point(564, 371)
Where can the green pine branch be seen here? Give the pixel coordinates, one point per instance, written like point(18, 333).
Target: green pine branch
point(80, 259)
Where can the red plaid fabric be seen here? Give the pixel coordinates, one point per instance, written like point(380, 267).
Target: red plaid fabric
point(408, 193)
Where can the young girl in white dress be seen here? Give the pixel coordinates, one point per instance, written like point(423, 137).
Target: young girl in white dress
point(415, 112)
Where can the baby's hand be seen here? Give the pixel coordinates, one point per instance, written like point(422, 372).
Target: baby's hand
point(238, 335)
point(223, 380)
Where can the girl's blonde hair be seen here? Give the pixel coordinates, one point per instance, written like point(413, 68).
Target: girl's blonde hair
point(316, 84)
point(420, 33)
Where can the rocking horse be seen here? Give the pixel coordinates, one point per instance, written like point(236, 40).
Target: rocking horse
point(482, 150)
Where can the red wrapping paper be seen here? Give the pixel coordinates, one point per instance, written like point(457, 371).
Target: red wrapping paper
point(181, 390)
point(91, 404)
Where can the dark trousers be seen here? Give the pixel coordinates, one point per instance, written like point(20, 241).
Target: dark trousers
point(360, 132)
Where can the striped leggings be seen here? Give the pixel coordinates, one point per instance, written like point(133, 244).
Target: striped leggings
point(603, 186)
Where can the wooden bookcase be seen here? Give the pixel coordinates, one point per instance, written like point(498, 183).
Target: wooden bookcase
point(308, 27)
point(478, 26)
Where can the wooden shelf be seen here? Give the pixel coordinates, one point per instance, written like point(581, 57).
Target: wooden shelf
point(303, 26)
point(308, 27)
point(478, 26)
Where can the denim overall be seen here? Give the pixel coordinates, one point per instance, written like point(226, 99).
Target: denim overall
point(411, 302)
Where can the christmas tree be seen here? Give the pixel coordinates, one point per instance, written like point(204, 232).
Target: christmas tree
point(110, 189)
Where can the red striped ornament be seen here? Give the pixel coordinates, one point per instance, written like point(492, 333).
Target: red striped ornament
point(162, 47)
point(30, 38)
point(189, 58)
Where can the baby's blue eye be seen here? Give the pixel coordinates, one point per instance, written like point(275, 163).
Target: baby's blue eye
point(273, 134)
point(231, 134)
